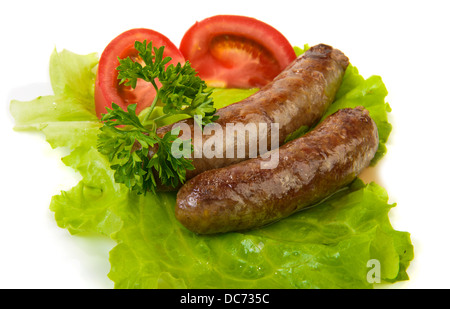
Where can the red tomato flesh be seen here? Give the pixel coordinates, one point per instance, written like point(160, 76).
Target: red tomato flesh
point(236, 51)
point(107, 87)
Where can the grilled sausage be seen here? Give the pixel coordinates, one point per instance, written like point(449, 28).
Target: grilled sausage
point(310, 168)
point(298, 96)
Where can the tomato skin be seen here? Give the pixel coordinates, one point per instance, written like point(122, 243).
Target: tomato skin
point(107, 88)
point(236, 51)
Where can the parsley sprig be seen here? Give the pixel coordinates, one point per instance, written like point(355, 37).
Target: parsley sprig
point(136, 153)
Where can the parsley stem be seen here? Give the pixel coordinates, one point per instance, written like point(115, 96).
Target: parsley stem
point(152, 107)
point(161, 117)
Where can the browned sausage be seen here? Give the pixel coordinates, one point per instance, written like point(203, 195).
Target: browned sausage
point(244, 196)
point(299, 96)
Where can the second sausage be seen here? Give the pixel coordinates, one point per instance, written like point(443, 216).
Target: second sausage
point(310, 168)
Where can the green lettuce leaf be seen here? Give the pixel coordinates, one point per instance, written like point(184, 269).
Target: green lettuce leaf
point(224, 96)
point(327, 246)
point(90, 206)
point(67, 118)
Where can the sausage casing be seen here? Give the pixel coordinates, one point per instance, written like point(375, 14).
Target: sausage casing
point(298, 96)
point(310, 168)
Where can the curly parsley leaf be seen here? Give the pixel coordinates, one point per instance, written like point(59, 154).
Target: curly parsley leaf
point(136, 153)
point(181, 90)
point(169, 162)
point(128, 147)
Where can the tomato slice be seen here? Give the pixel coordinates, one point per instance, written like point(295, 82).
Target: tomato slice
point(107, 88)
point(236, 51)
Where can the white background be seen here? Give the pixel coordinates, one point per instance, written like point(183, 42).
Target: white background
point(405, 42)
